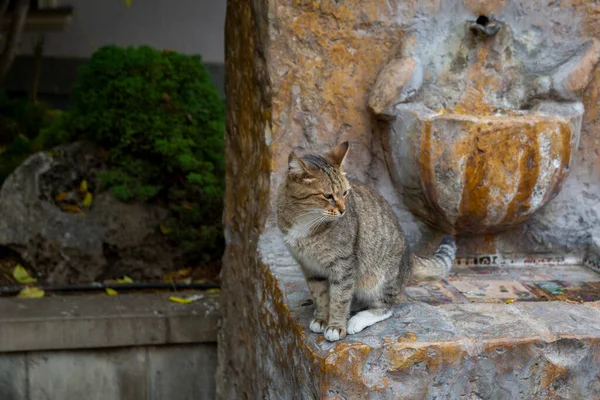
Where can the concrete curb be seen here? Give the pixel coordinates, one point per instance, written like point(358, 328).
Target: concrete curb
point(92, 321)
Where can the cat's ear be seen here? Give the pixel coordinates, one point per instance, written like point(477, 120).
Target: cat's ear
point(337, 155)
point(296, 167)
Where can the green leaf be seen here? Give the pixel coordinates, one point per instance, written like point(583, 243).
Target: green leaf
point(125, 279)
point(165, 230)
point(180, 300)
point(31, 293)
point(87, 200)
point(22, 276)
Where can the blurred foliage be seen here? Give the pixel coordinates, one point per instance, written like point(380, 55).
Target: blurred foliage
point(162, 123)
point(20, 123)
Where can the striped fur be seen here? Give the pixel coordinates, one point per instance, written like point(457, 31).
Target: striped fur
point(348, 243)
point(438, 265)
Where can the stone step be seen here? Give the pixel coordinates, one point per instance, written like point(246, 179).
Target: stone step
point(525, 349)
point(97, 321)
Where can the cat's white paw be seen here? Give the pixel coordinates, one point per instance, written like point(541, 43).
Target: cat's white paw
point(334, 333)
point(365, 319)
point(317, 325)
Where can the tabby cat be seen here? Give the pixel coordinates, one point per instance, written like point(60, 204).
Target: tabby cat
point(348, 243)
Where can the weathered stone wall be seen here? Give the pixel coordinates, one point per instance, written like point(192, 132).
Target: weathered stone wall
point(246, 201)
point(324, 58)
point(298, 77)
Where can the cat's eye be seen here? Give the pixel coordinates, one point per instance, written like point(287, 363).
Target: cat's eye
point(345, 193)
point(328, 196)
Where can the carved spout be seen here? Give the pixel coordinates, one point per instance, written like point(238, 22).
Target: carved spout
point(485, 26)
point(397, 81)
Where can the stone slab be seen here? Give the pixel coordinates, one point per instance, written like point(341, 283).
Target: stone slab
point(78, 322)
point(524, 349)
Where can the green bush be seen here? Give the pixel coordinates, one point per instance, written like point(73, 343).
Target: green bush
point(20, 123)
point(162, 123)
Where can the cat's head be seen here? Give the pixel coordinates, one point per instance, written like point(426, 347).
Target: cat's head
point(316, 185)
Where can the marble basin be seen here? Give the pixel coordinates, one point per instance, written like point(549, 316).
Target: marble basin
point(466, 173)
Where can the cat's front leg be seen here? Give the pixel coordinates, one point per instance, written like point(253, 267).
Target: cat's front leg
point(318, 290)
point(341, 291)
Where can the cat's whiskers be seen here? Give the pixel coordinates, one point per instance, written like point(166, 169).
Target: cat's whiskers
point(316, 223)
point(304, 225)
point(310, 211)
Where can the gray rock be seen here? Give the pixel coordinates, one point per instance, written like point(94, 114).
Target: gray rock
point(592, 259)
point(111, 239)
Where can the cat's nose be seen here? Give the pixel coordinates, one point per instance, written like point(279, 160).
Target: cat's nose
point(341, 210)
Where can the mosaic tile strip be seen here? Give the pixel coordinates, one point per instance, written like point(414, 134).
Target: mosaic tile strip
point(479, 290)
point(499, 259)
point(435, 292)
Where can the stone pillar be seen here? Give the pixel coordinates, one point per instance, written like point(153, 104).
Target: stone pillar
point(246, 201)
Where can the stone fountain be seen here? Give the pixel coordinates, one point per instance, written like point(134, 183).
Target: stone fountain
point(483, 127)
point(472, 117)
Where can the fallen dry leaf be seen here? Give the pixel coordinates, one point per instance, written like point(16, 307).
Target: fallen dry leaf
point(71, 209)
point(31, 293)
point(61, 196)
point(180, 300)
point(164, 229)
point(187, 299)
point(87, 200)
point(21, 275)
point(111, 292)
point(125, 279)
point(83, 187)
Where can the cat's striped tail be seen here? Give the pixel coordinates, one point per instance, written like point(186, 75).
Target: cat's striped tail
point(437, 266)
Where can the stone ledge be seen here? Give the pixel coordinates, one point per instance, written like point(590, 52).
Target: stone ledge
point(80, 322)
point(479, 350)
